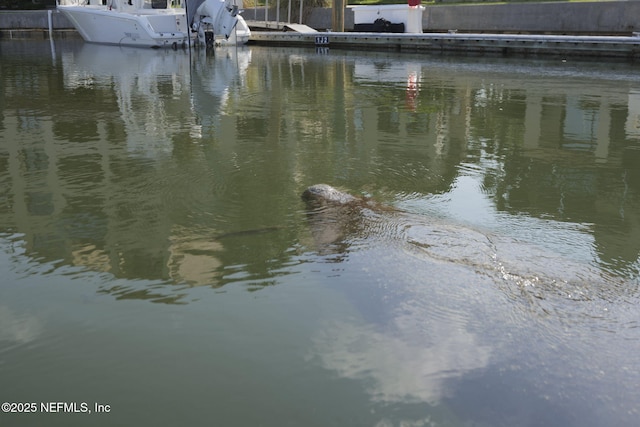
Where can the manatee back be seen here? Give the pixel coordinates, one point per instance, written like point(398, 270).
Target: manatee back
point(323, 193)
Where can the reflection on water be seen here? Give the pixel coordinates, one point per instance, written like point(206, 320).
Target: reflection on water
point(493, 279)
point(396, 367)
point(18, 329)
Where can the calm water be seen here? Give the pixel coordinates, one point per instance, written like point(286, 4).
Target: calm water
point(156, 256)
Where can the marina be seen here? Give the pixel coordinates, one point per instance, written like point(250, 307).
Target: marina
point(312, 227)
point(598, 30)
point(621, 47)
point(158, 258)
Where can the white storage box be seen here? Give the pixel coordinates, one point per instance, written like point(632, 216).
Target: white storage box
point(410, 16)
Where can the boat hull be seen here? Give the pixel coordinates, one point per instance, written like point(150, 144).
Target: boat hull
point(99, 24)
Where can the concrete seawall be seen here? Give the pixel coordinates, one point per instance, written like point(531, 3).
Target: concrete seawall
point(32, 19)
point(34, 24)
point(594, 18)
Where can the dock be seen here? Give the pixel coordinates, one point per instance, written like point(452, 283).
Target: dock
point(627, 47)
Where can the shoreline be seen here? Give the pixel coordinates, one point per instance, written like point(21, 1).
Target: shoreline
point(507, 29)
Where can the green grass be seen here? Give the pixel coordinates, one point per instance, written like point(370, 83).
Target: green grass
point(376, 2)
point(284, 3)
point(450, 2)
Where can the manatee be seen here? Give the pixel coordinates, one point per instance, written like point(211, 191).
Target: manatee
point(325, 194)
point(332, 216)
point(337, 220)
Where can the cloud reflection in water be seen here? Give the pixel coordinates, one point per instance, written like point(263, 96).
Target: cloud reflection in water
point(403, 365)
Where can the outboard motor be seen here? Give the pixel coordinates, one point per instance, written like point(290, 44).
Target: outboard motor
point(214, 17)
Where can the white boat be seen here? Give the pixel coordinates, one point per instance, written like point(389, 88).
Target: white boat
point(151, 23)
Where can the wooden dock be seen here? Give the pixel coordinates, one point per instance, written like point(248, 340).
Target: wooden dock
point(525, 44)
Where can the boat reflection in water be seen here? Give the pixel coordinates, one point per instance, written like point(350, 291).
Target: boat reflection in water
point(157, 101)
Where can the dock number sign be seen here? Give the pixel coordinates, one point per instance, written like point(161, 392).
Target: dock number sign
point(322, 40)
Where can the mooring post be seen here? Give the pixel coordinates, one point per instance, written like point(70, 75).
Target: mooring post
point(337, 16)
point(300, 20)
point(50, 22)
point(53, 46)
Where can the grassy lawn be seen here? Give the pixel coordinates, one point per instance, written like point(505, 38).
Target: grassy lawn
point(449, 2)
point(374, 2)
point(327, 3)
